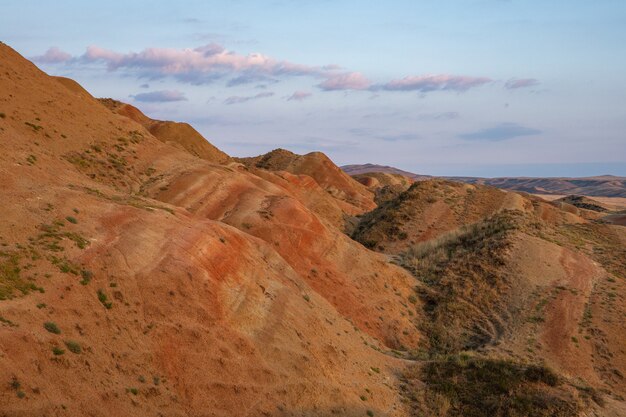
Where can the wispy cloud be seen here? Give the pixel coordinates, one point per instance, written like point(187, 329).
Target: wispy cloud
point(243, 99)
point(345, 81)
point(503, 131)
point(299, 96)
point(160, 96)
point(53, 55)
point(208, 63)
point(197, 66)
point(515, 83)
point(427, 83)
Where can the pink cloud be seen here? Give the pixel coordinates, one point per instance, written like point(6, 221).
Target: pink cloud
point(514, 83)
point(426, 83)
point(160, 96)
point(299, 96)
point(345, 81)
point(240, 99)
point(211, 62)
point(197, 65)
point(53, 56)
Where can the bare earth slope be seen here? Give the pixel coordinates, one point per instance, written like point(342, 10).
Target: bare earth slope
point(317, 165)
point(178, 134)
point(126, 290)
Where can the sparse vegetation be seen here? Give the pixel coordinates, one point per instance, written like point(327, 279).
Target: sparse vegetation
point(86, 276)
point(73, 346)
point(57, 351)
point(102, 297)
point(11, 278)
point(461, 278)
point(71, 219)
point(52, 327)
point(477, 387)
point(33, 126)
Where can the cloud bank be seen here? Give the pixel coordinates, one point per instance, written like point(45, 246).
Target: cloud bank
point(53, 55)
point(427, 83)
point(160, 96)
point(212, 62)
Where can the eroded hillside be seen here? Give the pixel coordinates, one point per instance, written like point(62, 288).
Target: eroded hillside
point(145, 272)
point(138, 278)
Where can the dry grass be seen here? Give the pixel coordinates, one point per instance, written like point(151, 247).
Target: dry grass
point(464, 287)
point(462, 386)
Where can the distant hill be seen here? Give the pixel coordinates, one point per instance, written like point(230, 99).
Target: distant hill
point(599, 186)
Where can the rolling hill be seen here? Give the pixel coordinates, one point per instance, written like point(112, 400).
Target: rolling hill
point(599, 186)
point(145, 272)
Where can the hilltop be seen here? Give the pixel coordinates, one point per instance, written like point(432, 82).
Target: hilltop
point(598, 186)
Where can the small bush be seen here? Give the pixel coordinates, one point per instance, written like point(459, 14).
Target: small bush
point(87, 275)
point(57, 351)
point(52, 327)
point(102, 297)
point(73, 346)
point(71, 219)
point(133, 391)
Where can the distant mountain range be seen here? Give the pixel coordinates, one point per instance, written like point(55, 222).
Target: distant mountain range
point(599, 186)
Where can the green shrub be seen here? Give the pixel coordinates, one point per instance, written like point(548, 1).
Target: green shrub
point(87, 275)
point(73, 346)
point(71, 219)
point(57, 351)
point(52, 327)
point(102, 297)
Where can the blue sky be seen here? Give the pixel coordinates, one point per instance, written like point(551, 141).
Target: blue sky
point(485, 87)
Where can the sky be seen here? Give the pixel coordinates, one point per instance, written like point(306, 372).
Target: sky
point(441, 87)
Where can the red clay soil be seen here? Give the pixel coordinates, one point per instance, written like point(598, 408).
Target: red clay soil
point(176, 312)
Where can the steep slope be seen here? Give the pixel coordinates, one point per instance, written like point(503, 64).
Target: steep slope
point(116, 303)
point(177, 134)
point(316, 165)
